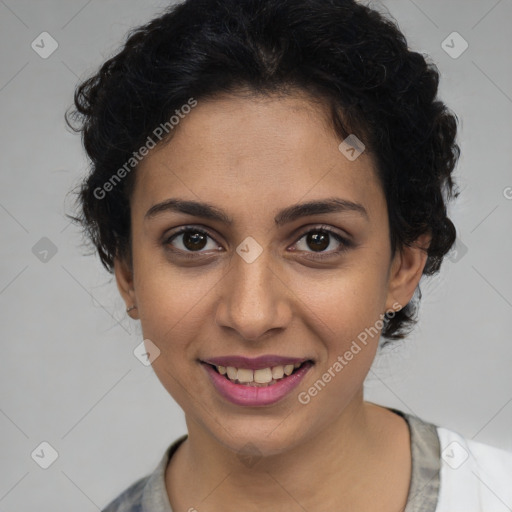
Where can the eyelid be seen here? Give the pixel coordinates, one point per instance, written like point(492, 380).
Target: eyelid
point(301, 232)
point(168, 238)
point(345, 241)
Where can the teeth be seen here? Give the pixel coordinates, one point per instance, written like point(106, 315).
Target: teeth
point(244, 375)
point(288, 369)
point(231, 372)
point(261, 376)
point(277, 372)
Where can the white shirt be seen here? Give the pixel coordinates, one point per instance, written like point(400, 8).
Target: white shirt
point(474, 477)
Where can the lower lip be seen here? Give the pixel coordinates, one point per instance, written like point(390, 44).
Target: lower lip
point(252, 396)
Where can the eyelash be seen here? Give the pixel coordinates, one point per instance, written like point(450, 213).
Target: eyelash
point(345, 244)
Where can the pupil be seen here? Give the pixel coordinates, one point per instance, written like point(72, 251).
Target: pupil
point(194, 241)
point(318, 241)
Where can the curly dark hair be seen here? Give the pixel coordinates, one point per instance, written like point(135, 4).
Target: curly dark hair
point(349, 56)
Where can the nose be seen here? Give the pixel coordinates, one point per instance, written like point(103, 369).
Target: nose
point(254, 301)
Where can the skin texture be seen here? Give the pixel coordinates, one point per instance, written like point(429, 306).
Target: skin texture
point(252, 157)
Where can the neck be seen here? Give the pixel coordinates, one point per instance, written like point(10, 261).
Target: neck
point(341, 462)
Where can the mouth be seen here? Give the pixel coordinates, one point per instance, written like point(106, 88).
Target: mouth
point(260, 377)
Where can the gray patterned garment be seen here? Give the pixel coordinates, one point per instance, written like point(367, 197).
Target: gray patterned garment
point(150, 495)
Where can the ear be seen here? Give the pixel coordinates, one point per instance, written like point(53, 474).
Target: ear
point(124, 279)
point(406, 271)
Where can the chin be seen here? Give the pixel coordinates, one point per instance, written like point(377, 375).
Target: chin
point(255, 438)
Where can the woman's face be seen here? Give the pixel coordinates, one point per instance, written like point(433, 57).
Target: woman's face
point(259, 273)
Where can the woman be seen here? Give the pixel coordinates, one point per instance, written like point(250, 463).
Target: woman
point(269, 183)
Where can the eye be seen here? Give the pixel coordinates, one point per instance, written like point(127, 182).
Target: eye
point(322, 240)
point(191, 239)
point(318, 243)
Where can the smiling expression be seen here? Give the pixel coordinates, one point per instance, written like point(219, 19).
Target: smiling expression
point(267, 173)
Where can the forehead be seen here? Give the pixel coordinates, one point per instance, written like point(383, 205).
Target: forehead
point(266, 150)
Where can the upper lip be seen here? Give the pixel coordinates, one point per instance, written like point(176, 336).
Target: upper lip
point(257, 363)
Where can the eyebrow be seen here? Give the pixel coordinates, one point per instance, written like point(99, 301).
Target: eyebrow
point(289, 214)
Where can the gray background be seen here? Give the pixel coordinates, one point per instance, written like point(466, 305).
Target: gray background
point(68, 373)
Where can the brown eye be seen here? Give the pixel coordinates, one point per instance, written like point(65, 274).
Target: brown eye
point(322, 243)
point(318, 240)
point(190, 240)
point(194, 240)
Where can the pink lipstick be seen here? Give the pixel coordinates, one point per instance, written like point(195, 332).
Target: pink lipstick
point(257, 381)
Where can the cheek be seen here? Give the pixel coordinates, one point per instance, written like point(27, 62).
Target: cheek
point(172, 306)
point(172, 316)
point(345, 302)
point(343, 313)
point(169, 296)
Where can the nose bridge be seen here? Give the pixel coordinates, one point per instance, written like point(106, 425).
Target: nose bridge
point(253, 299)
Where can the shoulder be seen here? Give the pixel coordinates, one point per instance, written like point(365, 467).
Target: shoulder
point(148, 494)
point(475, 477)
point(129, 500)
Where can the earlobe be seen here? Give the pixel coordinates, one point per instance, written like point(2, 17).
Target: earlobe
point(406, 271)
point(124, 279)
